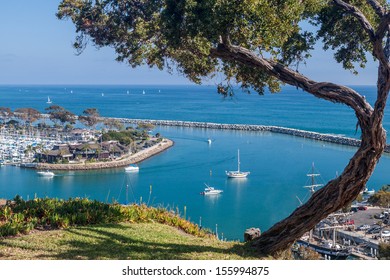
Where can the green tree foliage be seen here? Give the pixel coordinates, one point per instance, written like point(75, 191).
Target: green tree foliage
point(29, 115)
point(380, 198)
point(145, 126)
point(5, 114)
point(90, 117)
point(257, 44)
point(58, 113)
point(385, 188)
point(384, 251)
point(125, 137)
point(173, 33)
point(113, 123)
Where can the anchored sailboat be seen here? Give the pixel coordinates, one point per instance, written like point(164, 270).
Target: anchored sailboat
point(48, 100)
point(327, 248)
point(313, 184)
point(237, 173)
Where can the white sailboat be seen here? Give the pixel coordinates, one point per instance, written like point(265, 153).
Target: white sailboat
point(143, 92)
point(313, 184)
point(48, 100)
point(237, 173)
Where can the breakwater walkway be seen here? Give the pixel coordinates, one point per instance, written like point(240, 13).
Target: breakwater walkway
point(336, 139)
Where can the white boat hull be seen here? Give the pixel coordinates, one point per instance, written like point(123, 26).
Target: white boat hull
point(132, 169)
point(236, 174)
point(210, 191)
point(45, 174)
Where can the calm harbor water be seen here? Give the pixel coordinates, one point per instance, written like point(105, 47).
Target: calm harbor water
point(278, 163)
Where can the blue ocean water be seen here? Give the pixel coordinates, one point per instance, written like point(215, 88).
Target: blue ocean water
point(290, 108)
point(278, 163)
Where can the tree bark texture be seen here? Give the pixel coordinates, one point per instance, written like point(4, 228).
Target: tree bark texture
point(343, 190)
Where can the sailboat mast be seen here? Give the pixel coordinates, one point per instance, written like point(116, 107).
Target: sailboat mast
point(127, 194)
point(312, 177)
point(238, 160)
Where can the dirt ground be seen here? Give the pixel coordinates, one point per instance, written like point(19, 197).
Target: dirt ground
point(2, 201)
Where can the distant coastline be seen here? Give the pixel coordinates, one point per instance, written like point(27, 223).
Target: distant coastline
point(130, 159)
point(331, 138)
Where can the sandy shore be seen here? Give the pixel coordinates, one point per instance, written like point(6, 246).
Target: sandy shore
point(124, 161)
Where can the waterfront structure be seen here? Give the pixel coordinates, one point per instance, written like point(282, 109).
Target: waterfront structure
point(77, 151)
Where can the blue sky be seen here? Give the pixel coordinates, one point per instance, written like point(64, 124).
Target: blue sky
point(36, 48)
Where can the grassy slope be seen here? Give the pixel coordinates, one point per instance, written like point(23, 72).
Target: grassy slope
point(118, 242)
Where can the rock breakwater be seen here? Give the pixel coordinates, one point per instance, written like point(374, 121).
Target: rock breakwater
point(336, 139)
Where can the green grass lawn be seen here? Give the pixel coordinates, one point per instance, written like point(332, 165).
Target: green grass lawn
point(121, 241)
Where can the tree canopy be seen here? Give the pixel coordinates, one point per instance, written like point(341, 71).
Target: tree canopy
point(90, 117)
point(5, 113)
point(29, 115)
point(58, 113)
point(257, 44)
point(381, 198)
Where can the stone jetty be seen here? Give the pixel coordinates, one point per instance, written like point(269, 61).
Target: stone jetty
point(336, 139)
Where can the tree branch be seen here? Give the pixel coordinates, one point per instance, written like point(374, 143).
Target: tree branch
point(359, 16)
point(383, 26)
point(379, 10)
point(376, 37)
point(328, 91)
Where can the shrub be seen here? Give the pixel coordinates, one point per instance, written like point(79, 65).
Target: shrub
point(21, 216)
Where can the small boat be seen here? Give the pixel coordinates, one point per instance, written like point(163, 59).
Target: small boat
point(132, 168)
point(143, 92)
point(209, 141)
point(46, 173)
point(102, 94)
point(48, 100)
point(210, 191)
point(368, 192)
point(237, 173)
point(327, 249)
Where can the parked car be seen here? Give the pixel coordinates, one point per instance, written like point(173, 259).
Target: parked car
point(385, 233)
point(349, 222)
point(362, 207)
point(363, 227)
point(374, 229)
point(379, 216)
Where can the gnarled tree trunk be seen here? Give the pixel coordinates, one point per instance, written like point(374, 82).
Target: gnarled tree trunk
point(344, 189)
point(334, 196)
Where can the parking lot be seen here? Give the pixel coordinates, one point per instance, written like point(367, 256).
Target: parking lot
point(367, 217)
